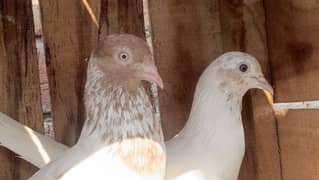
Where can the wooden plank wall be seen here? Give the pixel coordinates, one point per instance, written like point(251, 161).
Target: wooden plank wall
point(122, 16)
point(19, 81)
point(70, 30)
point(186, 38)
point(293, 29)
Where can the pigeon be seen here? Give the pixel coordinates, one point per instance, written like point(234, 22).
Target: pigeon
point(120, 138)
point(211, 145)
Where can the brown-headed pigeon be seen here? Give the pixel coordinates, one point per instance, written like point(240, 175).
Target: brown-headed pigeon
point(120, 138)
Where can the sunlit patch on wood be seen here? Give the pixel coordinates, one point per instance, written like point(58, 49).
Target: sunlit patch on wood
point(90, 11)
point(280, 112)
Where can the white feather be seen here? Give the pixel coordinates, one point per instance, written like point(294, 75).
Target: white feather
point(28, 144)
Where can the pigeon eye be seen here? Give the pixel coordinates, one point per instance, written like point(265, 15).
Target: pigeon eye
point(124, 56)
point(243, 67)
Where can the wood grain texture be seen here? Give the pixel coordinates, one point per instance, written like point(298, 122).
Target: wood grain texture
point(293, 28)
point(299, 149)
point(186, 36)
point(70, 29)
point(243, 28)
point(19, 81)
point(122, 16)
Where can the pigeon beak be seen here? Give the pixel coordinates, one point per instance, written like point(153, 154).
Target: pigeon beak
point(263, 84)
point(150, 74)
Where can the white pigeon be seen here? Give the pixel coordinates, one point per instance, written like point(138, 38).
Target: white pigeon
point(211, 145)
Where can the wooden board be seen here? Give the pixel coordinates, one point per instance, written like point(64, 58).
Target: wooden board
point(122, 16)
point(19, 81)
point(293, 27)
point(243, 29)
point(299, 149)
point(70, 30)
point(293, 46)
point(186, 38)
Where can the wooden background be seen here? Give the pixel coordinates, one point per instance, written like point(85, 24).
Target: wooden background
point(188, 35)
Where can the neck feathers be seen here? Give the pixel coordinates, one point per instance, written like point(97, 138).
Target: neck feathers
point(114, 113)
point(212, 108)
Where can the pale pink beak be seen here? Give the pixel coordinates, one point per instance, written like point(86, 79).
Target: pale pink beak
point(263, 84)
point(150, 74)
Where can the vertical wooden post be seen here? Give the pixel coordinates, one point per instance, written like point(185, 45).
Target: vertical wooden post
point(293, 28)
point(70, 29)
point(19, 78)
point(186, 38)
point(149, 40)
point(122, 16)
point(243, 29)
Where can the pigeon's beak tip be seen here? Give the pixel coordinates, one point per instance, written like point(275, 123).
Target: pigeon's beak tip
point(151, 75)
point(160, 84)
point(262, 83)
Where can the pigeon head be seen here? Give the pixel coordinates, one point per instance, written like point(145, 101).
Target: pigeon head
point(126, 60)
point(240, 72)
